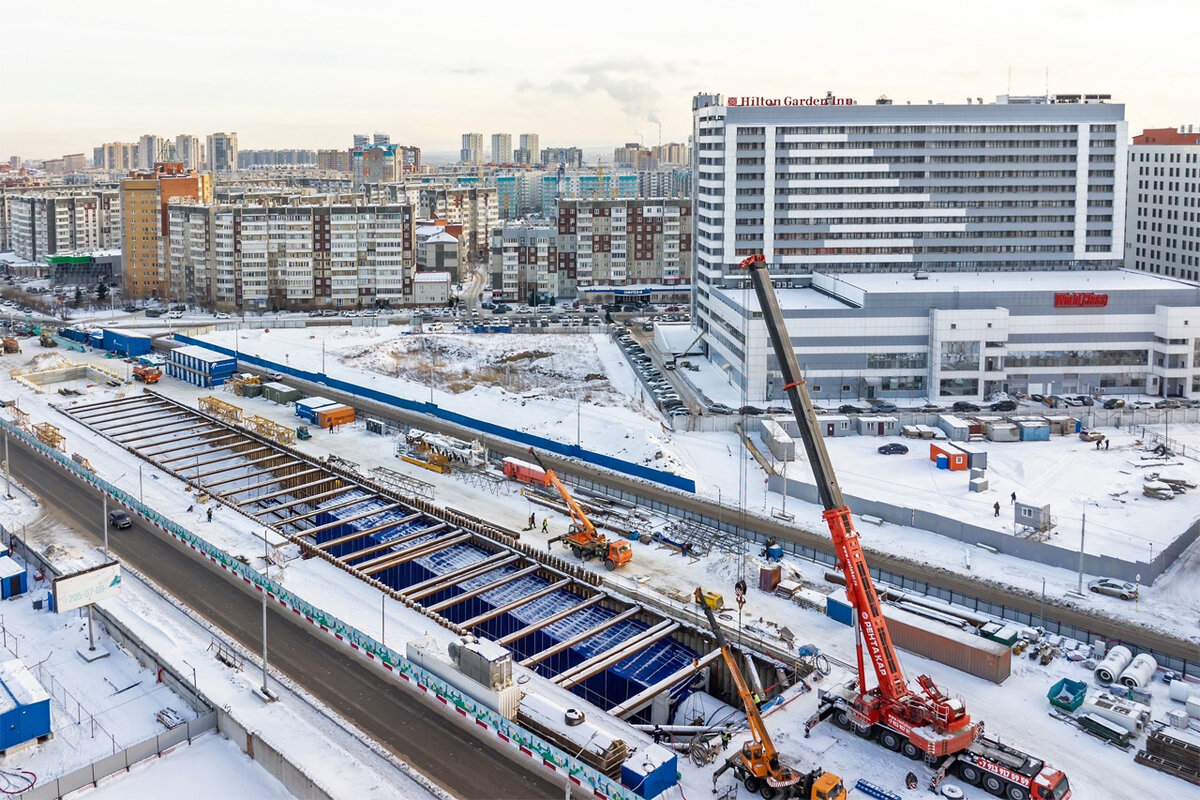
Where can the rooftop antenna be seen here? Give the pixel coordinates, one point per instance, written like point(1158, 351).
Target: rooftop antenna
point(1047, 80)
point(1010, 80)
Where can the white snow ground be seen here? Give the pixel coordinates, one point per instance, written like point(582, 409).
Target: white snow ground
point(1017, 711)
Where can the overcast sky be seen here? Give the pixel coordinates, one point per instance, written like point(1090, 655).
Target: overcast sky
point(310, 73)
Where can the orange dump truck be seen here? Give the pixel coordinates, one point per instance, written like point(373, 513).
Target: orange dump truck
point(332, 416)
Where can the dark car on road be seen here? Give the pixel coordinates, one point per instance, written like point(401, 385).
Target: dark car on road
point(119, 519)
point(850, 408)
point(963, 405)
point(883, 407)
point(1004, 405)
point(750, 410)
point(1114, 402)
point(893, 449)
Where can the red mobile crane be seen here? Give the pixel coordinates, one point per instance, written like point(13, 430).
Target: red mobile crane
point(583, 539)
point(757, 766)
point(926, 724)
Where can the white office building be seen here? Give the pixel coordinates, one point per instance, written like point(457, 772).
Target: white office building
point(1163, 224)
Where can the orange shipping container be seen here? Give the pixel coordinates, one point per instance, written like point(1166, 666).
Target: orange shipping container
point(334, 415)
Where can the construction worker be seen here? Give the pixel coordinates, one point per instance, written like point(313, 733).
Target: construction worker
point(1106, 441)
point(658, 734)
point(725, 737)
point(532, 521)
point(757, 699)
point(210, 514)
point(545, 526)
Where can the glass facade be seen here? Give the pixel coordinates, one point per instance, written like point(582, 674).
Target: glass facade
point(897, 360)
point(954, 387)
point(1077, 358)
point(960, 356)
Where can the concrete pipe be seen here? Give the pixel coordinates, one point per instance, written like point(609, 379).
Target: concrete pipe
point(1140, 672)
point(1113, 665)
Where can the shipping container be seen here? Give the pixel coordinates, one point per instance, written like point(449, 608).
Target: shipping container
point(957, 430)
point(525, 472)
point(1002, 432)
point(13, 580)
point(876, 425)
point(1033, 429)
point(307, 408)
point(96, 339)
point(328, 417)
point(777, 440)
point(832, 425)
point(74, 334)
point(127, 343)
point(280, 393)
point(769, 577)
point(949, 645)
point(26, 706)
point(955, 459)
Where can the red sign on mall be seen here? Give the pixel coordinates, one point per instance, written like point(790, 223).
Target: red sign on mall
point(1080, 300)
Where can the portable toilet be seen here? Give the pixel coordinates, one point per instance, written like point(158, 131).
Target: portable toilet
point(24, 706)
point(13, 580)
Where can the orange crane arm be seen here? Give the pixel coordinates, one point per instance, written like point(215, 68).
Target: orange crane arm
point(758, 728)
point(871, 623)
point(577, 516)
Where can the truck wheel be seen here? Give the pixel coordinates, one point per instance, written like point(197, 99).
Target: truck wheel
point(1015, 792)
point(609, 564)
point(768, 792)
point(911, 750)
point(577, 551)
point(994, 785)
point(841, 719)
point(969, 773)
point(889, 739)
point(752, 784)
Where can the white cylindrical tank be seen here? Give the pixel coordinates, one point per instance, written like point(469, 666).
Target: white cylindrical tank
point(1113, 664)
point(1179, 690)
point(1140, 672)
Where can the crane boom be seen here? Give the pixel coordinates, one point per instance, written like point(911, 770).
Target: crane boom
point(578, 518)
point(891, 702)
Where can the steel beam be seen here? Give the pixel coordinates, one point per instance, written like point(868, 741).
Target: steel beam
point(178, 446)
point(439, 583)
point(580, 637)
point(533, 627)
point(383, 527)
point(363, 552)
point(206, 462)
point(289, 490)
point(615, 654)
point(159, 432)
point(254, 474)
point(515, 604)
point(487, 587)
point(310, 499)
point(264, 484)
point(307, 514)
point(250, 463)
point(374, 512)
point(440, 543)
point(641, 699)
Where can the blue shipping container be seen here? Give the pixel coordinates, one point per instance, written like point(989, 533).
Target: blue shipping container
point(24, 706)
point(652, 772)
point(13, 580)
point(308, 407)
point(127, 343)
point(96, 339)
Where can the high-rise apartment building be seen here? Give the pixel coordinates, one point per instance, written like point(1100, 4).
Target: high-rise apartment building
point(1162, 231)
point(149, 147)
point(43, 224)
point(472, 149)
point(625, 241)
point(381, 138)
point(144, 199)
point(361, 140)
point(293, 256)
point(530, 150)
point(188, 151)
point(222, 152)
point(502, 149)
point(118, 156)
point(473, 207)
point(333, 160)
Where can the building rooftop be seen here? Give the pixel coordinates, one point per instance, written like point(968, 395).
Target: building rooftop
point(431, 277)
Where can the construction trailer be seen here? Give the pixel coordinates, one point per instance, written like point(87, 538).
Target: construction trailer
point(524, 472)
point(328, 417)
point(24, 707)
point(307, 408)
point(280, 393)
point(200, 366)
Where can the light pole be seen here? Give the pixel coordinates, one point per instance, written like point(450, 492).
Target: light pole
point(382, 619)
point(1042, 608)
point(567, 795)
point(104, 523)
point(141, 494)
point(1082, 525)
point(7, 477)
point(266, 571)
point(195, 685)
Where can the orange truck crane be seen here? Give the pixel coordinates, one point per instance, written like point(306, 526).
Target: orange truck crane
point(149, 374)
point(923, 722)
point(583, 539)
point(757, 766)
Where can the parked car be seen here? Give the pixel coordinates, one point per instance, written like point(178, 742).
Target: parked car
point(1004, 405)
point(719, 408)
point(883, 406)
point(154, 312)
point(893, 449)
point(276, 376)
point(350, 313)
point(1037, 398)
point(1141, 404)
point(850, 408)
point(931, 408)
point(221, 315)
point(963, 405)
point(779, 410)
point(1116, 588)
point(173, 315)
point(1074, 402)
point(1114, 402)
point(679, 412)
point(1170, 402)
point(130, 309)
point(750, 411)
point(178, 307)
point(119, 519)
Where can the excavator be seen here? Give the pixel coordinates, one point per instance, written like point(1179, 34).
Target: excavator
point(583, 539)
point(923, 723)
point(757, 766)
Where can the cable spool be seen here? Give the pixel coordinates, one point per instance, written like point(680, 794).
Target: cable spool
point(1113, 665)
point(1140, 673)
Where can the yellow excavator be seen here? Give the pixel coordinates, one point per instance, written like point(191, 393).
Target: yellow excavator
point(757, 766)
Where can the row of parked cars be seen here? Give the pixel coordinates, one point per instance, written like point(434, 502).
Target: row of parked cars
point(665, 396)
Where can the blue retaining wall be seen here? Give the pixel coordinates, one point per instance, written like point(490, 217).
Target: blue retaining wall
point(490, 428)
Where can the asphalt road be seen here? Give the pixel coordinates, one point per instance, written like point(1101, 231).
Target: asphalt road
point(451, 757)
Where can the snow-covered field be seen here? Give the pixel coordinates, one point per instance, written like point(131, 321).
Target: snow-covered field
point(1058, 472)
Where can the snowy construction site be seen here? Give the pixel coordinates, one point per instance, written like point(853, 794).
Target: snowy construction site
point(506, 526)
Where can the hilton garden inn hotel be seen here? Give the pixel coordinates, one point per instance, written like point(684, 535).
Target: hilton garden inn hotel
point(986, 201)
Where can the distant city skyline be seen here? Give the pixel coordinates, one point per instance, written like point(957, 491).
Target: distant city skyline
point(80, 74)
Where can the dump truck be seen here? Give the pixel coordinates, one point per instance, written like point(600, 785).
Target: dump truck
point(141, 372)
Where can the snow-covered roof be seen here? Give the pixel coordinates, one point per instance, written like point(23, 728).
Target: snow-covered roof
point(200, 353)
point(9, 257)
point(431, 277)
point(1108, 280)
point(441, 238)
point(9, 568)
point(21, 685)
point(791, 299)
point(677, 336)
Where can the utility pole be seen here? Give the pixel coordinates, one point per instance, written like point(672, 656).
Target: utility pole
point(1082, 525)
point(266, 692)
point(104, 524)
point(7, 477)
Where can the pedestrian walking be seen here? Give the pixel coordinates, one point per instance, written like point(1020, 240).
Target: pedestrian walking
point(545, 526)
point(210, 515)
point(997, 507)
point(1106, 441)
point(1014, 498)
point(532, 521)
point(1097, 444)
